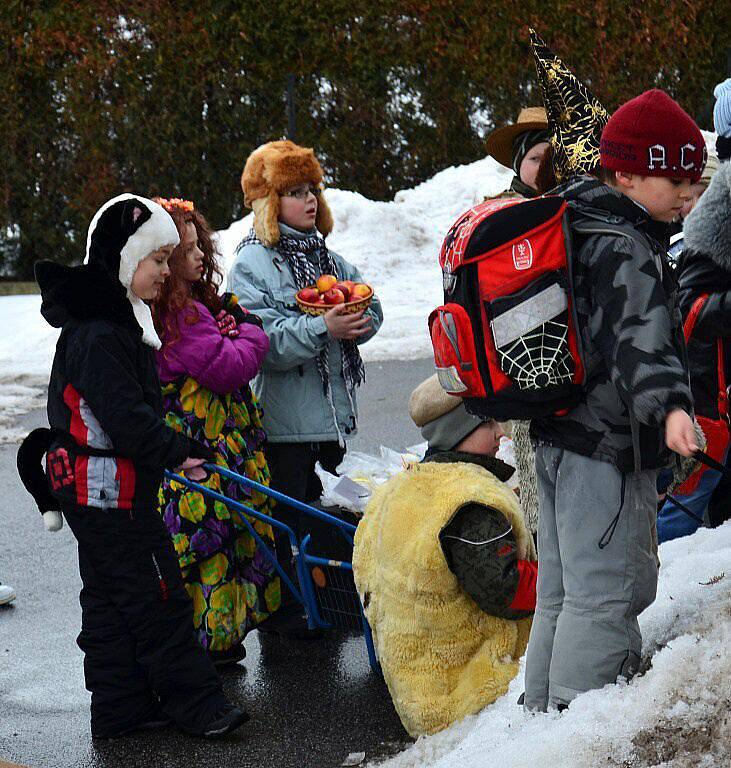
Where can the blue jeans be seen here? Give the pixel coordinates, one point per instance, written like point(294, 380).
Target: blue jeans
point(673, 522)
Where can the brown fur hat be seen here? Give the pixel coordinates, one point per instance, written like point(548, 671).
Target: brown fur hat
point(272, 169)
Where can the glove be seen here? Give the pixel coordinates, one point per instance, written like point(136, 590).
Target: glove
point(53, 521)
point(239, 314)
point(227, 324)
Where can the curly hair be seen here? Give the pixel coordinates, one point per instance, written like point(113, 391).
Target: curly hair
point(177, 292)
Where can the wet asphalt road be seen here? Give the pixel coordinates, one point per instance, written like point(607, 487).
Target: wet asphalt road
point(312, 703)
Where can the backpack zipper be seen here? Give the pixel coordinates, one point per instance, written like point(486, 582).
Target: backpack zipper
point(451, 334)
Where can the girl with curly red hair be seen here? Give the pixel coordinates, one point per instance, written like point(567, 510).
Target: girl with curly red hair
point(211, 349)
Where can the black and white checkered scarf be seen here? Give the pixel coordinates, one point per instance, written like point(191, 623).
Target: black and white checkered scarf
point(295, 251)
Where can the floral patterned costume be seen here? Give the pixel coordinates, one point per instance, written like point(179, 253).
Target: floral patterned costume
point(206, 396)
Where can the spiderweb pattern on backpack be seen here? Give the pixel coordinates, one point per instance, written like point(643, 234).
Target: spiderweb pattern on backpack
point(539, 359)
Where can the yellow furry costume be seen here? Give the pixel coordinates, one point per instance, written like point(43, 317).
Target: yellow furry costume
point(442, 657)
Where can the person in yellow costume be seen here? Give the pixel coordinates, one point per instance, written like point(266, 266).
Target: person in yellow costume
point(445, 568)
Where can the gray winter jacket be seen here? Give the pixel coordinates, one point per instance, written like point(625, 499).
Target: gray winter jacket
point(289, 386)
point(631, 331)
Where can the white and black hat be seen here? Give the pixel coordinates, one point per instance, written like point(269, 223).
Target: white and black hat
point(122, 233)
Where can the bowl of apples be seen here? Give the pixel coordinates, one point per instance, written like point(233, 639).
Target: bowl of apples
point(329, 292)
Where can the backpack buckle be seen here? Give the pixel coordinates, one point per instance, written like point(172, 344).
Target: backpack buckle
point(449, 280)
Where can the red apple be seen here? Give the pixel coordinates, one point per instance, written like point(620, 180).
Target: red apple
point(333, 296)
point(360, 291)
point(344, 289)
point(348, 284)
point(326, 282)
point(310, 295)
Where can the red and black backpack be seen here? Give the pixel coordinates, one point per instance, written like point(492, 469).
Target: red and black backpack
point(506, 339)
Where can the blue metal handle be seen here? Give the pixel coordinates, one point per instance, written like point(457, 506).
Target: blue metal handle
point(281, 497)
point(259, 516)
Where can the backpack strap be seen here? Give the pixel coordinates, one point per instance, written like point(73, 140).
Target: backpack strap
point(692, 318)
point(688, 326)
point(599, 223)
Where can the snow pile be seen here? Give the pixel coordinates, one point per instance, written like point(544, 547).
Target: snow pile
point(26, 353)
point(675, 715)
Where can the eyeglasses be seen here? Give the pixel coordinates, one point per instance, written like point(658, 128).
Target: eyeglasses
point(300, 193)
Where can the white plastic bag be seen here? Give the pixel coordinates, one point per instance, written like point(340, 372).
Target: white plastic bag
point(506, 453)
point(360, 474)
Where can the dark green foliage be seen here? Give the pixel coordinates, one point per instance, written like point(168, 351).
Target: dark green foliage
point(169, 98)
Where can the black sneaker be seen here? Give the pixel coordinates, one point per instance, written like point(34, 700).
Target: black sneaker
point(229, 721)
point(521, 699)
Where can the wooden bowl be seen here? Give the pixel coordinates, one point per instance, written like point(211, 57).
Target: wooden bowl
point(351, 307)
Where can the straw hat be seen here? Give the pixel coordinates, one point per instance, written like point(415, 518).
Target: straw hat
point(500, 142)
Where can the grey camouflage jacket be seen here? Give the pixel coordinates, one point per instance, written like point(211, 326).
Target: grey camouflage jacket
point(631, 331)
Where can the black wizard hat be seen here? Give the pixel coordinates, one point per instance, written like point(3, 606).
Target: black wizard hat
point(576, 118)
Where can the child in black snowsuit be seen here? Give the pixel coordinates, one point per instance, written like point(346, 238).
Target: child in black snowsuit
point(105, 455)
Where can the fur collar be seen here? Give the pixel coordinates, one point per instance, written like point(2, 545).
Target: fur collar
point(499, 468)
point(707, 228)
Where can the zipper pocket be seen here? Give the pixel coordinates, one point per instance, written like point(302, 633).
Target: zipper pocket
point(163, 584)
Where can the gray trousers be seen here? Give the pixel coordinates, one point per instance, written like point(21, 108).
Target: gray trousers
point(597, 572)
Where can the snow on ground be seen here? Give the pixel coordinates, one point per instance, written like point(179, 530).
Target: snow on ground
point(674, 715)
point(394, 244)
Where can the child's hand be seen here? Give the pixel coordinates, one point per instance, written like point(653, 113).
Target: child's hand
point(341, 325)
point(227, 324)
point(193, 469)
point(680, 433)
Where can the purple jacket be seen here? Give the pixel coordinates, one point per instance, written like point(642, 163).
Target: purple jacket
point(216, 362)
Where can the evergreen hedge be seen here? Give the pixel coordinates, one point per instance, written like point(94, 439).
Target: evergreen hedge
point(169, 98)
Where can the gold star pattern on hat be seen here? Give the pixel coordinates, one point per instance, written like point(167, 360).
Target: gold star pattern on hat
point(576, 118)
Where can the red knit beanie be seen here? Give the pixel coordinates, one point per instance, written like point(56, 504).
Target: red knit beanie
point(651, 135)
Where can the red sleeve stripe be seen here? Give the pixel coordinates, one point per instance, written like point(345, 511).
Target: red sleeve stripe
point(525, 595)
point(77, 427)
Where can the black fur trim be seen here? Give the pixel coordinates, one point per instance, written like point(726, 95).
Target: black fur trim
point(87, 292)
point(30, 454)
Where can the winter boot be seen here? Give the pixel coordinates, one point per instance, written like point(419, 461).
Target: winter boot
point(228, 720)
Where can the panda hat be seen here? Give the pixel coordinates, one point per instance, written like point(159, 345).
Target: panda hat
point(124, 231)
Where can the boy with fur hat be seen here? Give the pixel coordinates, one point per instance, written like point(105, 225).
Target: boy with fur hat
point(446, 569)
point(308, 379)
point(597, 465)
point(105, 455)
